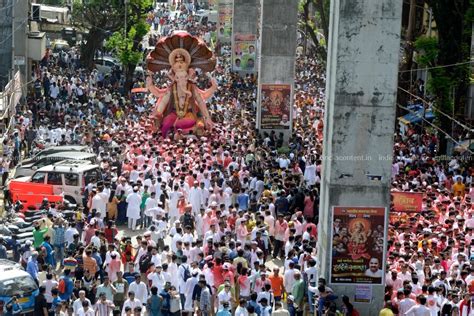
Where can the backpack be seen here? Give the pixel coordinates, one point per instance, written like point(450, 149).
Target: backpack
point(187, 274)
point(144, 262)
point(355, 312)
point(62, 286)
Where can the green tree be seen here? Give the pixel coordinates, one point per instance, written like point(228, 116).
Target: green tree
point(314, 20)
point(101, 18)
point(127, 48)
point(449, 85)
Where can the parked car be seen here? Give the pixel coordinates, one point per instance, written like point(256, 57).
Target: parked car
point(56, 149)
point(205, 16)
point(27, 169)
point(67, 178)
point(106, 64)
point(59, 46)
point(14, 281)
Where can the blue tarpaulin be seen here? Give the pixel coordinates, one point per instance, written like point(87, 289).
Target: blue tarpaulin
point(416, 114)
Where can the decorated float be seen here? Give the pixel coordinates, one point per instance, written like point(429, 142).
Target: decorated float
point(181, 105)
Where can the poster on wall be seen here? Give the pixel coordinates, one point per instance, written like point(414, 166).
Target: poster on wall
point(244, 52)
point(357, 245)
point(224, 25)
point(407, 201)
point(275, 101)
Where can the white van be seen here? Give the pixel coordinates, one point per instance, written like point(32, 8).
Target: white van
point(67, 177)
point(204, 16)
point(27, 169)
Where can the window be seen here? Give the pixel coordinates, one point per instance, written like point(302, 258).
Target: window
point(54, 178)
point(43, 162)
point(109, 63)
point(71, 179)
point(38, 177)
point(18, 286)
point(91, 175)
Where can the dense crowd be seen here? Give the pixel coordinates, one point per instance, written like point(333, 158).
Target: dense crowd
point(222, 228)
point(226, 223)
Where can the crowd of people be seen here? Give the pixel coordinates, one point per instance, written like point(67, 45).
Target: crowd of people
point(218, 227)
point(226, 223)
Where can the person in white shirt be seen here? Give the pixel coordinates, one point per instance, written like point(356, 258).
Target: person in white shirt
point(99, 202)
point(288, 277)
point(77, 305)
point(406, 303)
point(157, 278)
point(133, 209)
point(419, 310)
point(225, 295)
point(150, 203)
point(139, 289)
point(131, 302)
point(373, 271)
point(49, 284)
point(85, 310)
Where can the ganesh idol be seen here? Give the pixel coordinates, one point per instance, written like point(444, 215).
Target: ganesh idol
point(181, 105)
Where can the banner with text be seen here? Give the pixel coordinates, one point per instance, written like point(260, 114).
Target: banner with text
point(244, 52)
point(224, 25)
point(275, 102)
point(357, 245)
point(407, 201)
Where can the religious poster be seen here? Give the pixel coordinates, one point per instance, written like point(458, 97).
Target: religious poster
point(244, 52)
point(275, 101)
point(357, 245)
point(224, 25)
point(407, 201)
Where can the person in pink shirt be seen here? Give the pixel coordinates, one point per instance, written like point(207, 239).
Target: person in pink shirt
point(241, 230)
point(280, 228)
point(113, 267)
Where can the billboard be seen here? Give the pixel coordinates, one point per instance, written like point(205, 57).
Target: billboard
point(244, 52)
point(275, 105)
point(407, 201)
point(357, 243)
point(224, 23)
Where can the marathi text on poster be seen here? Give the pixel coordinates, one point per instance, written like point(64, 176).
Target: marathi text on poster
point(275, 106)
point(357, 245)
point(224, 25)
point(407, 201)
point(244, 52)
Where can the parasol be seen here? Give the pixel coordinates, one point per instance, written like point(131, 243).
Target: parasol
point(201, 55)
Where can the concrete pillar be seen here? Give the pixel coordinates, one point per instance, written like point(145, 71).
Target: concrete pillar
point(277, 65)
point(244, 36)
point(363, 55)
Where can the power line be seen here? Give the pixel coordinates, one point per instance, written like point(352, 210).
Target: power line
point(437, 109)
point(417, 114)
point(438, 67)
point(13, 31)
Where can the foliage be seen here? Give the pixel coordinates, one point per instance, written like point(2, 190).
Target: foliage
point(314, 26)
point(126, 47)
point(449, 84)
point(428, 51)
point(123, 46)
point(101, 18)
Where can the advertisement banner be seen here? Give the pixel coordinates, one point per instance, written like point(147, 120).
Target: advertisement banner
point(407, 201)
point(224, 25)
point(275, 102)
point(357, 245)
point(244, 52)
